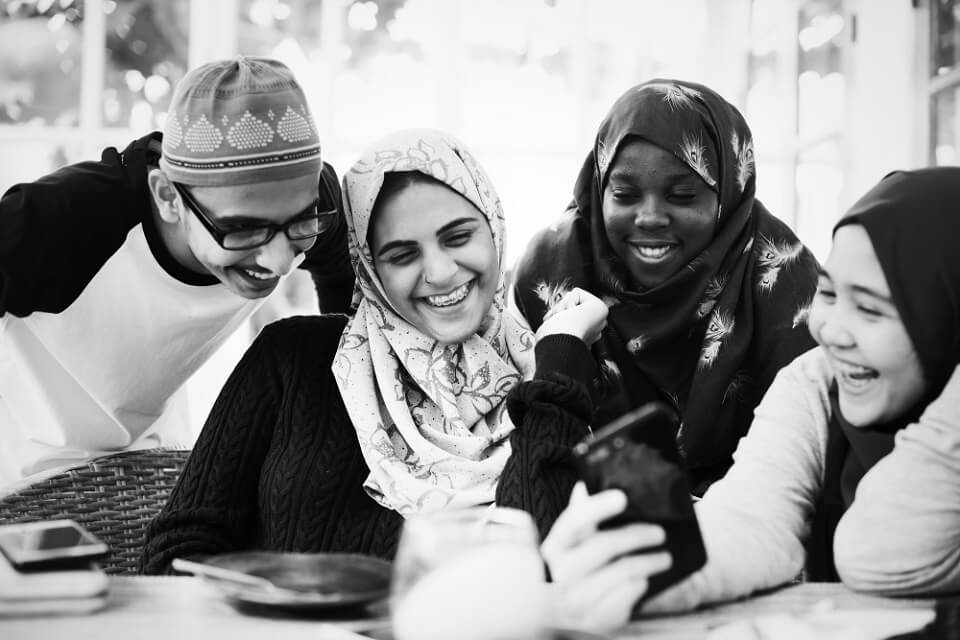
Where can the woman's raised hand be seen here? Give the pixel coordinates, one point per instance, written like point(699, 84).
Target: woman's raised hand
point(578, 313)
point(597, 581)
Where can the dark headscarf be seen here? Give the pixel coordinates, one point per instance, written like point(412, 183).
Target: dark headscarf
point(913, 221)
point(710, 338)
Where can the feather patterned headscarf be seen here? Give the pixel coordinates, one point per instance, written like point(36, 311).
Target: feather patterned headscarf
point(710, 338)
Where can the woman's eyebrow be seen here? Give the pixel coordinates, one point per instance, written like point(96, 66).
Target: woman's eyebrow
point(455, 223)
point(395, 244)
point(873, 293)
point(858, 288)
point(629, 177)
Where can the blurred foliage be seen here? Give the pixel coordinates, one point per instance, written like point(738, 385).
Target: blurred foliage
point(40, 56)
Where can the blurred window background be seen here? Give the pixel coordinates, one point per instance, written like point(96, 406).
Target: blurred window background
point(945, 83)
point(837, 92)
point(795, 105)
point(78, 75)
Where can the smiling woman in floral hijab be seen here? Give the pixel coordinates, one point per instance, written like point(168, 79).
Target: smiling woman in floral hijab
point(331, 430)
point(707, 290)
point(430, 414)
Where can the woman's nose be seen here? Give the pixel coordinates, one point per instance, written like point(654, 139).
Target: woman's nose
point(438, 267)
point(834, 332)
point(650, 214)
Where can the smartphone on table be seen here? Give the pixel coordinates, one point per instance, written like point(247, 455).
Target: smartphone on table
point(637, 453)
point(49, 545)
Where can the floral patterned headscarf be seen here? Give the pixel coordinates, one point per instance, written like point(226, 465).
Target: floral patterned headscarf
point(430, 417)
point(710, 338)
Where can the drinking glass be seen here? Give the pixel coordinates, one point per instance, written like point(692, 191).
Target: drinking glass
point(472, 574)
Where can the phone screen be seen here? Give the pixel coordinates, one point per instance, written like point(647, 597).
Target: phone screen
point(46, 541)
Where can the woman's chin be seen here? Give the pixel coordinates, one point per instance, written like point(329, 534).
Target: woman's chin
point(858, 413)
point(453, 333)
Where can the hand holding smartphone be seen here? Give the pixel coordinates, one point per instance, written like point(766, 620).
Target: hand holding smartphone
point(637, 454)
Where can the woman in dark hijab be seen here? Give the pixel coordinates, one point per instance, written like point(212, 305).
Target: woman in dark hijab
point(860, 436)
point(707, 291)
point(911, 494)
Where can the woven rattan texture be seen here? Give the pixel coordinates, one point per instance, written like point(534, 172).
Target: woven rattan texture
point(114, 496)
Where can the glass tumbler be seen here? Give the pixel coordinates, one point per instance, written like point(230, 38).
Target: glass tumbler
point(472, 574)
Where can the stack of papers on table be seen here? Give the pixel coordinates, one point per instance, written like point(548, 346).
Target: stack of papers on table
point(51, 592)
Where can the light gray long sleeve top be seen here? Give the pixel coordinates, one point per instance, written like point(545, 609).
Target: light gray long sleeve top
point(902, 534)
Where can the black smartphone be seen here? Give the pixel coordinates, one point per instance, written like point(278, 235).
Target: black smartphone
point(49, 545)
point(637, 453)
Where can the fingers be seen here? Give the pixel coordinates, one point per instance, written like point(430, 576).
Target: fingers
point(579, 493)
point(599, 574)
point(602, 548)
point(570, 299)
point(606, 598)
point(578, 313)
point(574, 547)
point(594, 335)
point(612, 610)
point(581, 517)
point(634, 571)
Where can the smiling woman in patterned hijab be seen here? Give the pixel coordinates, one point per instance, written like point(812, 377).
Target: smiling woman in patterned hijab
point(424, 369)
point(707, 290)
point(405, 402)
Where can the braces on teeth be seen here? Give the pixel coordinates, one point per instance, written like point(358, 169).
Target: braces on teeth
point(451, 298)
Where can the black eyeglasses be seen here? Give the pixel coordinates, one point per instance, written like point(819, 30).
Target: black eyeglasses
point(308, 224)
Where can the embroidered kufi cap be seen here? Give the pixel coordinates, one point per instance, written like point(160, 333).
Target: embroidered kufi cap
point(239, 121)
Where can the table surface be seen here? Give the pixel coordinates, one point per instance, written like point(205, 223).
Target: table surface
point(168, 608)
point(795, 599)
point(185, 607)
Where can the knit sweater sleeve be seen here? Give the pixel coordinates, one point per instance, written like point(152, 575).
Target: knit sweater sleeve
point(756, 518)
point(551, 413)
point(213, 507)
point(911, 495)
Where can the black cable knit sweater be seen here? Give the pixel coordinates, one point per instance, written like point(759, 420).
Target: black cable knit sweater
point(278, 467)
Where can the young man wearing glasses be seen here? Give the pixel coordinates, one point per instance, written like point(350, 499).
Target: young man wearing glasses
point(119, 278)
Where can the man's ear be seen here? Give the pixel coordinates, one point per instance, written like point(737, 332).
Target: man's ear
point(165, 196)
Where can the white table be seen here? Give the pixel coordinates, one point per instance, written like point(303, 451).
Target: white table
point(167, 608)
point(796, 599)
point(185, 608)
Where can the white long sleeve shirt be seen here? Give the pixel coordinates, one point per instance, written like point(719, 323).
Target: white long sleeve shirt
point(900, 536)
point(97, 377)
